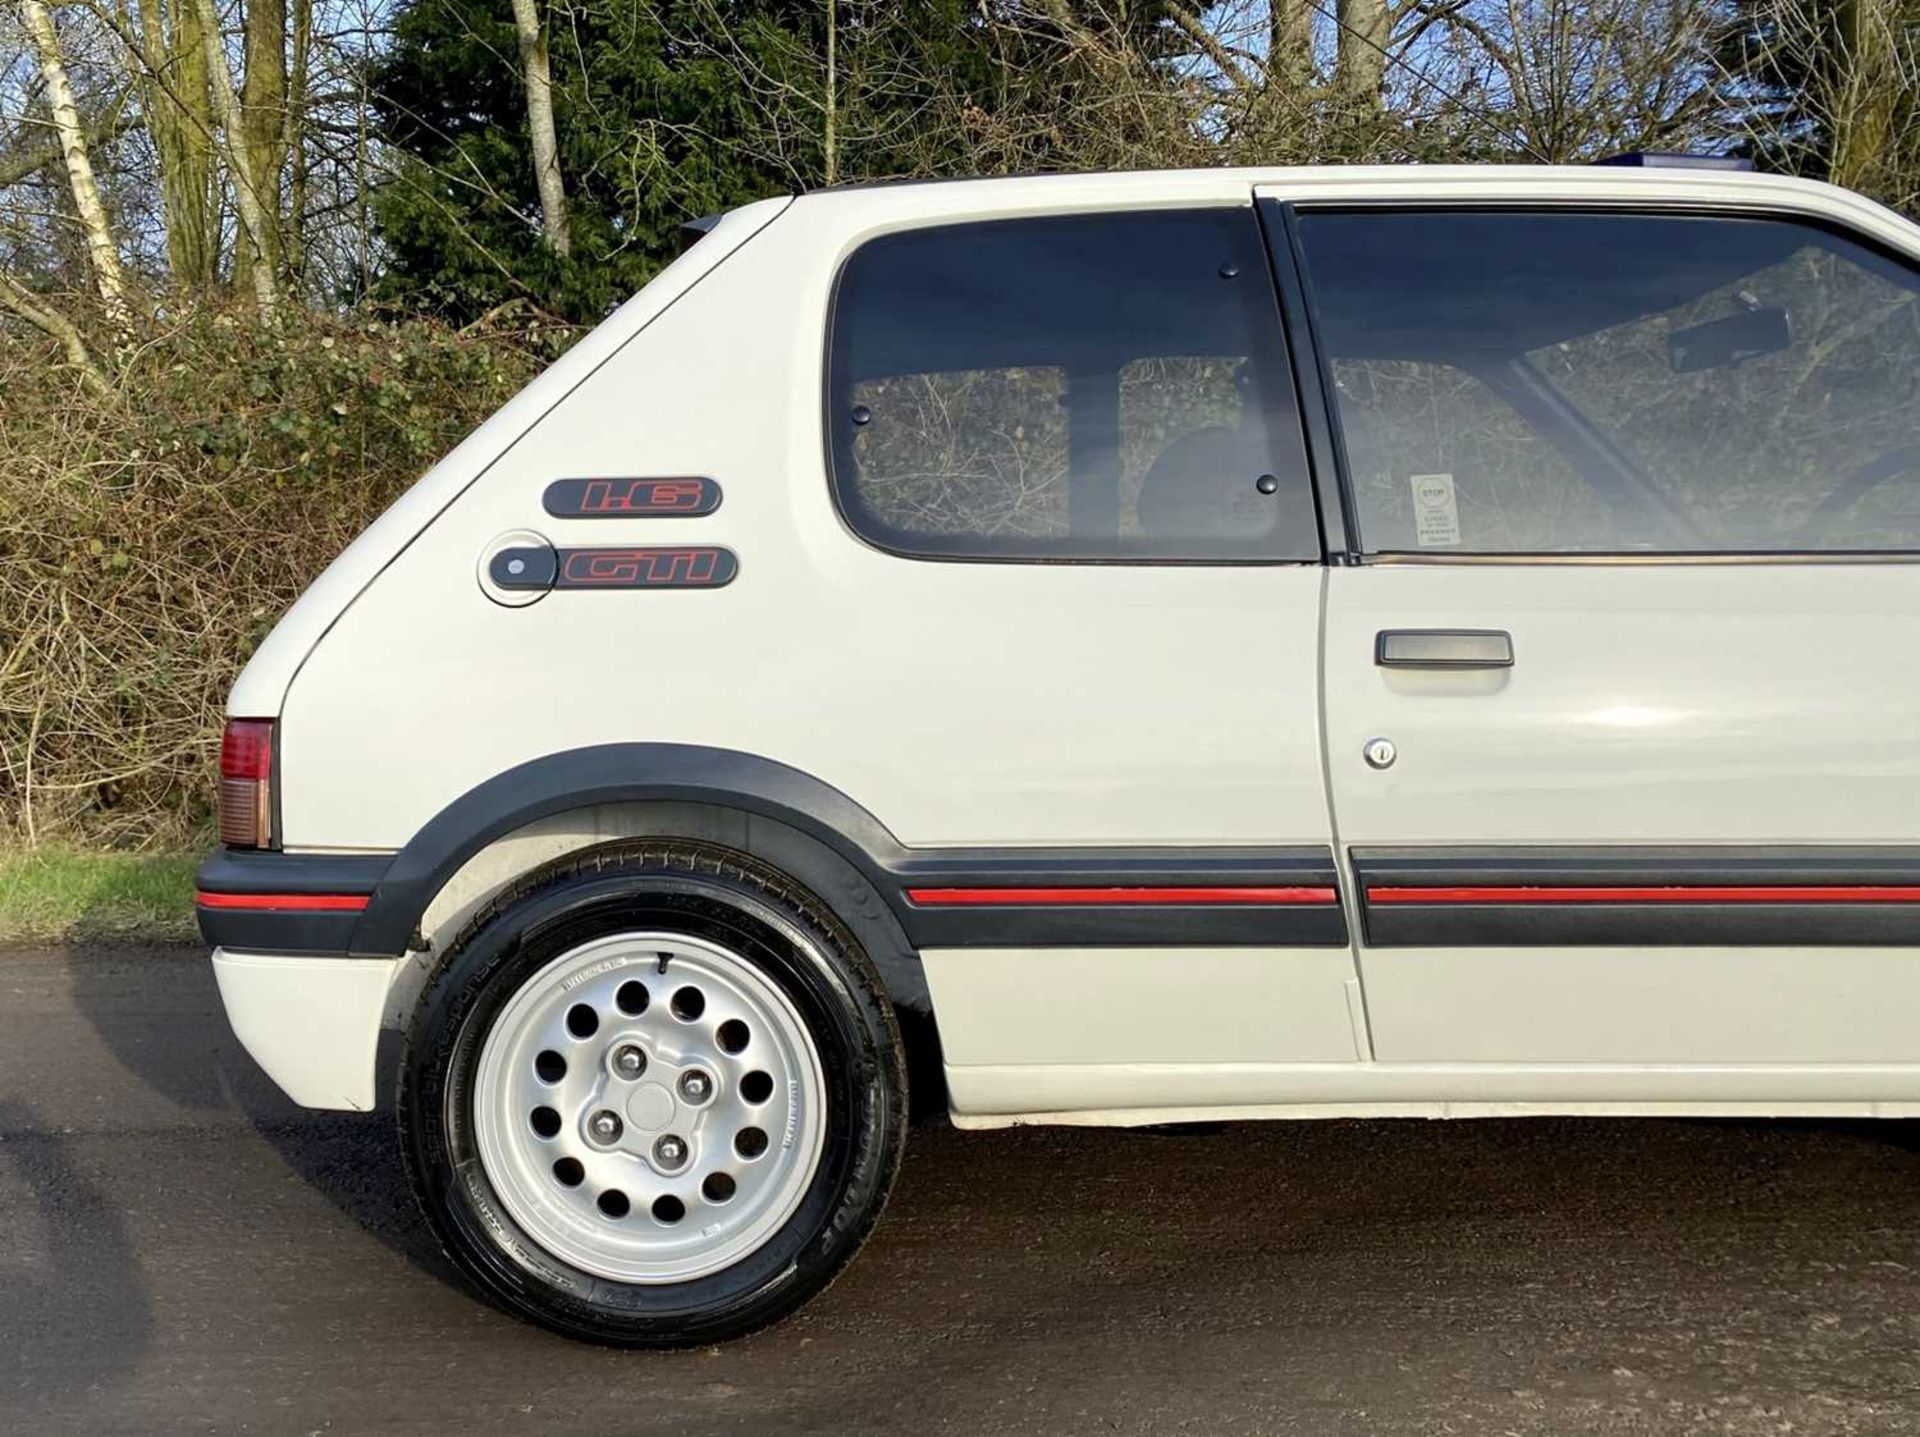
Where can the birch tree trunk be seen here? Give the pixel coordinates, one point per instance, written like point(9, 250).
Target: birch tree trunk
point(101, 250)
point(253, 214)
point(546, 141)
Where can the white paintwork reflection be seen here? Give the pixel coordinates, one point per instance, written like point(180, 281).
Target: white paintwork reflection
point(1639, 716)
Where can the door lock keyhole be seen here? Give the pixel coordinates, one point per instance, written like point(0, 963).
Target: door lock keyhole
point(1380, 753)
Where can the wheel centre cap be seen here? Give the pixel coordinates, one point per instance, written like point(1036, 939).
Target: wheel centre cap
point(651, 1107)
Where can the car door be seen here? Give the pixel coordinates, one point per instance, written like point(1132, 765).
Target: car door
point(1070, 450)
point(1623, 714)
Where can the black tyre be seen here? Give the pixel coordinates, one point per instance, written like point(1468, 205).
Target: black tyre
point(654, 1096)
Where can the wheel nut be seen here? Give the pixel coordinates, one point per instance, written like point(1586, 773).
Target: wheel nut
point(670, 1151)
point(696, 1086)
point(604, 1126)
point(629, 1061)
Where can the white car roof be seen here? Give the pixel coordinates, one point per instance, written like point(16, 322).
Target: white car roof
point(908, 201)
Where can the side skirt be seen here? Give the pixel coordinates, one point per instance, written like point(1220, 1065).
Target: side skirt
point(994, 1095)
point(1151, 1117)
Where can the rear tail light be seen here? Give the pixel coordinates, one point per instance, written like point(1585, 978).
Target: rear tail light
point(246, 784)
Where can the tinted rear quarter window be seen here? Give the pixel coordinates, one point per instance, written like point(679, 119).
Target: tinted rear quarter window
point(1093, 387)
point(1592, 382)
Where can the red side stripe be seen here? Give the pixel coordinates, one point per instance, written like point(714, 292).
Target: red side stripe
point(1037, 897)
point(1695, 894)
point(285, 902)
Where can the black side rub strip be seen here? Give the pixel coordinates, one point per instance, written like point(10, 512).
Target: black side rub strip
point(1658, 896)
point(1127, 897)
point(678, 498)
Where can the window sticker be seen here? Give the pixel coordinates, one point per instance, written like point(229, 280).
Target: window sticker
point(1436, 514)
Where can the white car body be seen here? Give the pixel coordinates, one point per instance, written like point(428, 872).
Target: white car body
point(1694, 720)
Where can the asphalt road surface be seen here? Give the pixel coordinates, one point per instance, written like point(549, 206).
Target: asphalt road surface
point(185, 1251)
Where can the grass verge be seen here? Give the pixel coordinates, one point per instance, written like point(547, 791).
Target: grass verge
point(48, 894)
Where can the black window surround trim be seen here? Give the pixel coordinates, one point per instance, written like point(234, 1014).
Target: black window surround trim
point(1331, 520)
point(1674, 920)
point(1288, 214)
point(401, 885)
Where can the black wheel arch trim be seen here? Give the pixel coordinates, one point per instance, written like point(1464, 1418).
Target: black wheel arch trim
point(605, 774)
point(248, 870)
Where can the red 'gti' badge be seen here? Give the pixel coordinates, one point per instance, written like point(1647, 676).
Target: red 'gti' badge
point(694, 568)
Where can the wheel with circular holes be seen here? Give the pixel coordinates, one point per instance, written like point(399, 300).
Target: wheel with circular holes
point(654, 1096)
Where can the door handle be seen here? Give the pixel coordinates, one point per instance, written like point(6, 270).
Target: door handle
point(1443, 649)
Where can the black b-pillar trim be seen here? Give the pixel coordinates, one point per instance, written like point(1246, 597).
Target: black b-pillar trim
point(1313, 380)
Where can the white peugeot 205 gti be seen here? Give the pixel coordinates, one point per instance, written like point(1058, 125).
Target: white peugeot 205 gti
point(1127, 649)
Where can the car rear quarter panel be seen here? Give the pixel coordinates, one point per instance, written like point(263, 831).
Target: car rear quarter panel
point(960, 703)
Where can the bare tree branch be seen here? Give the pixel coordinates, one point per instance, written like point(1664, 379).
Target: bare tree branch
point(1210, 45)
point(26, 163)
point(57, 326)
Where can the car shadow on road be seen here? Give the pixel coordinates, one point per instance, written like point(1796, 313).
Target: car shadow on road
point(74, 1271)
point(187, 1054)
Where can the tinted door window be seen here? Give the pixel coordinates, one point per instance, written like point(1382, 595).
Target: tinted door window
point(1574, 382)
point(1085, 387)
